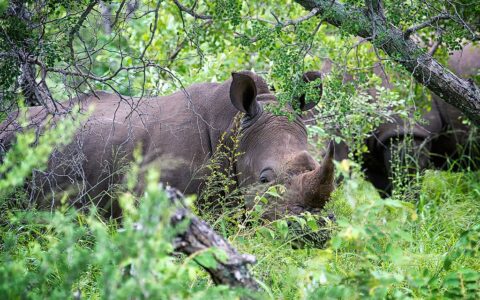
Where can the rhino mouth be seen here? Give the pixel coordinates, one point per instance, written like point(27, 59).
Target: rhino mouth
point(304, 237)
point(280, 208)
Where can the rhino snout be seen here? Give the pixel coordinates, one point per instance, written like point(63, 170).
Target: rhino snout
point(310, 190)
point(317, 185)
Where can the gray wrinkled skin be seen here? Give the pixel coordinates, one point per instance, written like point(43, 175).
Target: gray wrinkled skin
point(178, 134)
point(441, 137)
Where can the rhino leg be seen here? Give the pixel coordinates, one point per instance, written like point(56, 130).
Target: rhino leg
point(403, 154)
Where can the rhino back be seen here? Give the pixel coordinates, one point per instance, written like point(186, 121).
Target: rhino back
point(456, 132)
point(175, 133)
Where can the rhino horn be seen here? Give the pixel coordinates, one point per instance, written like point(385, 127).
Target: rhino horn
point(318, 184)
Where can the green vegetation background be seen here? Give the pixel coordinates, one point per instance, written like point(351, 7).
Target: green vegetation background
point(421, 243)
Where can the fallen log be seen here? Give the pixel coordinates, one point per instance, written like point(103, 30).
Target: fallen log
point(199, 236)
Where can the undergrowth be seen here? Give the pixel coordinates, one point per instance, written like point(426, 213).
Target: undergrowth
point(420, 246)
point(383, 248)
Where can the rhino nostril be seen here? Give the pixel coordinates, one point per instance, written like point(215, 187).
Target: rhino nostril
point(331, 217)
point(296, 209)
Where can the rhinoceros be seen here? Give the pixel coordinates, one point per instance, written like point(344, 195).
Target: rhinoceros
point(457, 140)
point(442, 134)
point(183, 130)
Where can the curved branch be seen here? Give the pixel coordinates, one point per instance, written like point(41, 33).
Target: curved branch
point(78, 25)
point(301, 19)
point(415, 28)
point(191, 11)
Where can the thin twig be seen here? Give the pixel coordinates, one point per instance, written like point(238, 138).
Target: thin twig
point(436, 44)
point(191, 11)
point(153, 30)
point(415, 28)
point(77, 26)
point(301, 19)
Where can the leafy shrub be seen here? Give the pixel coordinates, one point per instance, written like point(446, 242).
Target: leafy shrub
point(68, 254)
point(23, 157)
point(381, 250)
point(220, 196)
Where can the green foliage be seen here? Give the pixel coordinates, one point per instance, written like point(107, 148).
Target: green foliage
point(220, 193)
point(421, 243)
point(24, 34)
point(405, 14)
point(22, 158)
point(3, 6)
point(227, 10)
point(383, 249)
point(67, 254)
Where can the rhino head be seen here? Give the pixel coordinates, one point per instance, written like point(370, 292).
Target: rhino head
point(274, 150)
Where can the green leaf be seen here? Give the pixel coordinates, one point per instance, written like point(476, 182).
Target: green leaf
point(272, 191)
point(282, 228)
point(336, 242)
point(395, 253)
point(220, 254)
point(312, 223)
point(266, 232)
point(3, 6)
point(207, 259)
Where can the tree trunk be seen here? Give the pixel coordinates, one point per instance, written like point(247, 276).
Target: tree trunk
point(27, 80)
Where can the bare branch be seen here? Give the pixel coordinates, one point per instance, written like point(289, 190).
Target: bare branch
point(442, 16)
point(437, 43)
point(191, 11)
point(301, 19)
point(459, 20)
point(152, 29)
point(78, 25)
point(376, 9)
point(117, 14)
point(283, 24)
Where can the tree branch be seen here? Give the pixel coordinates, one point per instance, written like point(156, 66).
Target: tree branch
point(283, 24)
point(78, 25)
point(442, 16)
point(191, 11)
point(299, 20)
point(463, 94)
point(199, 236)
point(376, 8)
point(437, 43)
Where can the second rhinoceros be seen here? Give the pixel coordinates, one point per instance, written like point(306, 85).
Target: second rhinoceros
point(443, 135)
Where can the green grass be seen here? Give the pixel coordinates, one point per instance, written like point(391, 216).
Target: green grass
point(396, 249)
point(423, 245)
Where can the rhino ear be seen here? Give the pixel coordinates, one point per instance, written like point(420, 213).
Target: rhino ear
point(309, 77)
point(243, 93)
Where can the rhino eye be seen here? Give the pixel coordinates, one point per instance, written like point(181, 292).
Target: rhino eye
point(266, 176)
